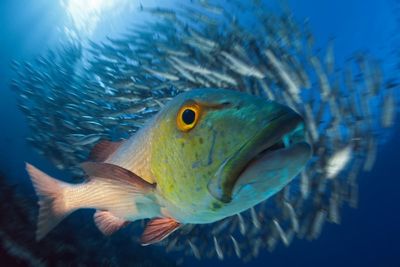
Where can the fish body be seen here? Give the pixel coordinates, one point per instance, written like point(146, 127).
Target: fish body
point(208, 154)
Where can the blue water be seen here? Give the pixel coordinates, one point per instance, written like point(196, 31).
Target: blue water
point(367, 236)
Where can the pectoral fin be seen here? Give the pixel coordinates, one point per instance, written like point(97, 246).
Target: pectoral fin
point(158, 229)
point(117, 173)
point(108, 223)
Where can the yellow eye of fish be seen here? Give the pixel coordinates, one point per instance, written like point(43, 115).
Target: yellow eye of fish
point(187, 117)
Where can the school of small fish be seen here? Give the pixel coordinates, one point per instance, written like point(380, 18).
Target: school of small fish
point(71, 102)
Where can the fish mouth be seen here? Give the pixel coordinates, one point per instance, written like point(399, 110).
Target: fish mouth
point(284, 131)
point(287, 140)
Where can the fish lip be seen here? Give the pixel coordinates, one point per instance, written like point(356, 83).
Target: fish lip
point(283, 123)
point(302, 149)
point(290, 121)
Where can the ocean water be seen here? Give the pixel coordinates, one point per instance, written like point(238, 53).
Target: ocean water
point(366, 236)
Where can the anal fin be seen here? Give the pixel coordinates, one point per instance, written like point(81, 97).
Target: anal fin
point(158, 229)
point(108, 223)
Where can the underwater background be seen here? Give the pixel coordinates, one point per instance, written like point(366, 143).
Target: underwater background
point(366, 236)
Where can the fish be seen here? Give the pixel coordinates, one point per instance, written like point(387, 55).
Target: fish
point(171, 244)
point(218, 249)
point(371, 154)
point(87, 139)
point(271, 242)
point(304, 184)
point(293, 217)
point(256, 247)
point(167, 76)
point(353, 195)
point(333, 210)
point(181, 167)
point(221, 226)
point(388, 114)
point(338, 161)
point(330, 57)
point(281, 232)
point(195, 250)
point(292, 88)
point(240, 66)
point(242, 225)
point(236, 247)
point(318, 223)
point(56, 91)
point(254, 218)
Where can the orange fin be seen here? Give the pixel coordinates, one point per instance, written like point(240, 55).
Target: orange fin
point(103, 149)
point(107, 222)
point(158, 229)
point(117, 173)
point(52, 207)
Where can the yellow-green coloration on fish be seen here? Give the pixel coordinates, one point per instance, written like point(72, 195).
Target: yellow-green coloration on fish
point(208, 154)
point(197, 170)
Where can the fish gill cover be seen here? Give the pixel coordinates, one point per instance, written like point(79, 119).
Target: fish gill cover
point(81, 93)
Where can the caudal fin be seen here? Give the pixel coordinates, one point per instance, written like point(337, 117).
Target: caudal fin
point(51, 200)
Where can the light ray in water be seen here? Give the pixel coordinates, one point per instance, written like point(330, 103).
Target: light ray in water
point(86, 14)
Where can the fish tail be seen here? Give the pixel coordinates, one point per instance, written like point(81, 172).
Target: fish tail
point(52, 208)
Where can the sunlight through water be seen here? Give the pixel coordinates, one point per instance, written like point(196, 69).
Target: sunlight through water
point(86, 14)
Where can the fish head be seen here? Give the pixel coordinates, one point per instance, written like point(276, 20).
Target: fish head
point(216, 148)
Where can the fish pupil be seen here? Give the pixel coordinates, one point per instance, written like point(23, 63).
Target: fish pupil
point(188, 116)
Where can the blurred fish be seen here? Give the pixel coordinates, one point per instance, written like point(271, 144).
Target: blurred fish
point(305, 184)
point(221, 226)
point(236, 247)
point(353, 198)
point(318, 223)
point(87, 139)
point(198, 45)
point(330, 57)
point(338, 161)
point(282, 234)
point(293, 217)
point(241, 67)
point(333, 211)
point(254, 218)
point(389, 110)
point(291, 86)
point(163, 75)
point(256, 247)
point(195, 250)
point(242, 225)
point(371, 154)
point(218, 249)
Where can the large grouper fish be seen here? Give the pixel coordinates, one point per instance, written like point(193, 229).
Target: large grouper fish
point(206, 155)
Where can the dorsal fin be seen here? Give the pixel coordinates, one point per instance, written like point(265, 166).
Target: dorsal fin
point(158, 229)
point(107, 222)
point(115, 172)
point(103, 149)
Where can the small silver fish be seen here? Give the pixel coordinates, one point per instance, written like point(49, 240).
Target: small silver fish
point(218, 249)
point(195, 250)
point(236, 247)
